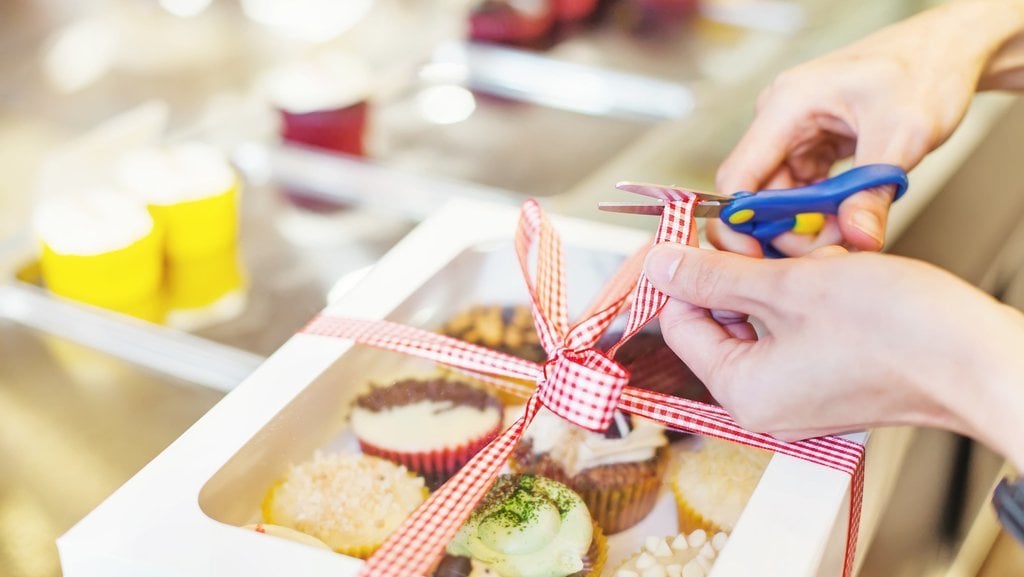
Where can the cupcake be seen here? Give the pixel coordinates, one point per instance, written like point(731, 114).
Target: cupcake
point(192, 192)
point(323, 103)
point(508, 329)
point(101, 247)
point(350, 502)
point(681, 556)
point(530, 526)
point(287, 534)
point(569, 11)
point(432, 427)
point(618, 473)
point(653, 366)
point(713, 483)
point(515, 22)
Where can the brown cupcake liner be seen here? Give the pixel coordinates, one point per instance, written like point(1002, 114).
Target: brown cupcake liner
point(627, 495)
point(435, 466)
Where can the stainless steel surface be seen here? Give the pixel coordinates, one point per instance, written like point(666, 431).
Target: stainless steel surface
point(76, 422)
point(74, 425)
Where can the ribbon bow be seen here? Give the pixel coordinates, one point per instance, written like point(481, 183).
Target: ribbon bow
point(579, 383)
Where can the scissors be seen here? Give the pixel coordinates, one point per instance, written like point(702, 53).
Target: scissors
point(769, 213)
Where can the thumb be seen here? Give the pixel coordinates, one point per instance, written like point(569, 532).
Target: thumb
point(711, 279)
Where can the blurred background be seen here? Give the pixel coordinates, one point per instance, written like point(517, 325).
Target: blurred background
point(437, 99)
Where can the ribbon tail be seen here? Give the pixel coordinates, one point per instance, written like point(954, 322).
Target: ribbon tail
point(415, 546)
point(676, 225)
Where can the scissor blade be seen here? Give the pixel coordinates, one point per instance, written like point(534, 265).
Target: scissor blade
point(631, 207)
point(703, 209)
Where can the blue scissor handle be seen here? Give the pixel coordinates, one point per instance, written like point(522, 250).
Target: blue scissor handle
point(769, 213)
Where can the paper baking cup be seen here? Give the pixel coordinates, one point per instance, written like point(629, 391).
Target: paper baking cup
point(338, 129)
point(573, 10)
point(689, 519)
point(198, 228)
point(627, 500)
point(435, 466)
point(597, 557)
point(126, 280)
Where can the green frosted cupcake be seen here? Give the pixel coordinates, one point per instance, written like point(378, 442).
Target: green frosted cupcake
point(529, 526)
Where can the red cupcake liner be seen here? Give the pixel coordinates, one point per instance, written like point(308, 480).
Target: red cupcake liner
point(573, 10)
point(435, 466)
point(503, 24)
point(338, 130)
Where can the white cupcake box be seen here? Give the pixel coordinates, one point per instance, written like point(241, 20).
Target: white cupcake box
point(182, 514)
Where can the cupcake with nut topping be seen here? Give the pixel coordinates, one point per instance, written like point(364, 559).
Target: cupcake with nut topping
point(618, 473)
point(508, 329)
point(350, 502)
point(530, 526)
point(430, 426)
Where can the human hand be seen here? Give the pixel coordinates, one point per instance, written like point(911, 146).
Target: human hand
point(849, 341)
point(891, 97)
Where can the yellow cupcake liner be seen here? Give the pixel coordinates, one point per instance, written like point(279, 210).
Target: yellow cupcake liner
point(202, 281)
point(127, 279)
point(689, 519)
point(599, 547)
point(200, 227)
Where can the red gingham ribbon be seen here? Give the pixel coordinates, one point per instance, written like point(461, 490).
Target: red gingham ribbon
point(578, 382)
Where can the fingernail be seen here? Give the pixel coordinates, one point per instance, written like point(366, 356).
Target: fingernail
point(869, 223)
point(663, 261)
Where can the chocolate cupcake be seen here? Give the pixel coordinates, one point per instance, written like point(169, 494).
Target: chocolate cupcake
point(432, 426)
point(618, 473)
point(529, 526)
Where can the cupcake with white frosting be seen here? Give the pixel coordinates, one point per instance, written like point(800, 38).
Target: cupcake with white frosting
point(192, 192)
point(431, 426)
point(713, 483)
point(685, 555)
point(323, 102)
point(530, 526)
point(101, 247)
point(350, 502)
point(618, 473)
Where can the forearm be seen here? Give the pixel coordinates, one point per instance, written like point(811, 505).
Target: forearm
point(995, 396)
point(1000, 39)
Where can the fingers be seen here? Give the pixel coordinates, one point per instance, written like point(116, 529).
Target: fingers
point(725, 238)
point(711, 279)
point(863, 218)
point(706, 346)
point(759, 154)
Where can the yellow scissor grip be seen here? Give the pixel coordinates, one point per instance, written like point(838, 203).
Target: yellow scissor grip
point(741, 216)
point(809, 223)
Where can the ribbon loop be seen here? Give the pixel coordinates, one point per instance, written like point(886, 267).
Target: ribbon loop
point(583, 387)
